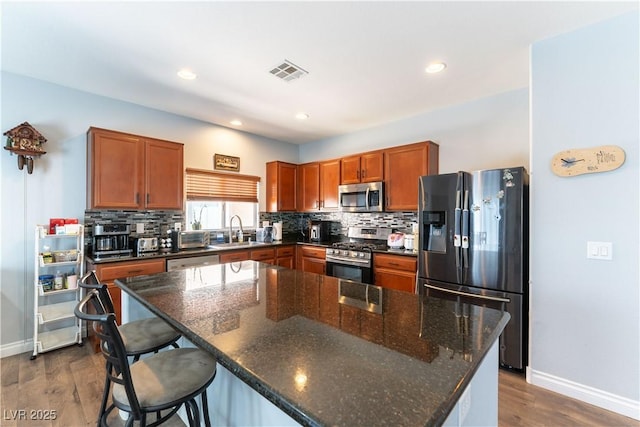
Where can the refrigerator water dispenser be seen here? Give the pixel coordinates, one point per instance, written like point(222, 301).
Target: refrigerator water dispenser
point(435, 231)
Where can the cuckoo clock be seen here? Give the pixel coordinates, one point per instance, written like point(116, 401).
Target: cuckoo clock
point(26, 142)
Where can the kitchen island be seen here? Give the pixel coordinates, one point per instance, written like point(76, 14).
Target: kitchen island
point(325, 351)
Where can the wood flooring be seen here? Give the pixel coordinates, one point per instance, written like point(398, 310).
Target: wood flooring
point(69, 381)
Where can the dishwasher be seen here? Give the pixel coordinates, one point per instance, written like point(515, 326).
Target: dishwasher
point(195, 261)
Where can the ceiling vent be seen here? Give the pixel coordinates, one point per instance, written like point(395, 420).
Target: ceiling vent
point(288, 71)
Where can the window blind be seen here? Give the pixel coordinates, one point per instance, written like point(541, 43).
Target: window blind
point(209, 185)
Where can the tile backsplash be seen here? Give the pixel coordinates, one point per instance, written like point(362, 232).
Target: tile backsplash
point(294, 224)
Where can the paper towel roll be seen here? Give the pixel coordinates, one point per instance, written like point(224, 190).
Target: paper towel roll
point(277, 231)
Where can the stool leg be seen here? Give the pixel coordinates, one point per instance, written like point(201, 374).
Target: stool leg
point(105, 397)
point(205, 409)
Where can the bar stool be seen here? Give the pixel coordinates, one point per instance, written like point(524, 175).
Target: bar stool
point(163, 382)
point(140, 336)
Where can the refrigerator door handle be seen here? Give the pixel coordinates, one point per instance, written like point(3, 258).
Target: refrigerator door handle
point(467, 294)
point(456, 222)
point(465, 230)
point(465, 221)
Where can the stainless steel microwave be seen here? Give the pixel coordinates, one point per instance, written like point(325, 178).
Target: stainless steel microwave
point(365, 197)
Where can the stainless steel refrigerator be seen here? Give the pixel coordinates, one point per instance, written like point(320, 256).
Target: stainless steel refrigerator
point(473, 247)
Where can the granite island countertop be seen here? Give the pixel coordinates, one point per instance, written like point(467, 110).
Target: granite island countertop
point(324, 350)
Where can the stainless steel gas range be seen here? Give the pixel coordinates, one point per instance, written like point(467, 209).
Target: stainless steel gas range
point(353, 259)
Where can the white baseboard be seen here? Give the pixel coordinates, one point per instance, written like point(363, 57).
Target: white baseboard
point(17, 347)
point(603, 399)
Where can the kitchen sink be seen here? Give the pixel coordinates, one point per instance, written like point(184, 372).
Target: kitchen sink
point(235, 245)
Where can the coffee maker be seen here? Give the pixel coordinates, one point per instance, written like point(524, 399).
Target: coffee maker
point(110, 240)
point(319, 231)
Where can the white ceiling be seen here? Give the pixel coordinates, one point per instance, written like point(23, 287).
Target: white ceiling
point(365, 60)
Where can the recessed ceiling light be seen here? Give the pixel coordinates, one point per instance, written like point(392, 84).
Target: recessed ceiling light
point(302, 116)
point(187, 74)
point(435, 67)
point(236, 122)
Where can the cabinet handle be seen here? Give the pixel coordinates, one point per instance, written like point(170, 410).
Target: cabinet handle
point(364, 173)
point(135, 271)
point(395, 264)
point(137, 198)
point(148, 198)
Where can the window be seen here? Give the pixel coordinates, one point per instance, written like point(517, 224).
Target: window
point(214, 197)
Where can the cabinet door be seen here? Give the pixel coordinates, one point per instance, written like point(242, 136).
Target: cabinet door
point(371, 167)
point(313, 265)
point(281, 186)
point(400, 280)
point(115, 170)
point(286, 257)
point(402, 168)
point(164, 175)
point(350, 170)
point(309, 187)
point(329, 181)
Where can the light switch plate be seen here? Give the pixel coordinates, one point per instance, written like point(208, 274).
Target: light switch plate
point(140, 227)
point(600, 250)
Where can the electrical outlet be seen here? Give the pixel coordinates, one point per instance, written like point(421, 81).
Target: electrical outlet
point(177, 226)
point(600, 250)
point(464, 405)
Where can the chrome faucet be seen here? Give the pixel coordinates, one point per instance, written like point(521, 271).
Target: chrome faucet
point(231, 229)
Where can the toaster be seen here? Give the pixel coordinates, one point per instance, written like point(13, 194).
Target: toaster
point(145, 244)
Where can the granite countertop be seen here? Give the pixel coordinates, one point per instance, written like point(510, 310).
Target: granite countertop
point(404, 361)
point(211, 251)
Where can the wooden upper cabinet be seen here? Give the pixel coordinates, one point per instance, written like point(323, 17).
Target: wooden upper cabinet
point(115, 170)
point(127, 171)
point(403, 166)
point(164, 175)
point(318, 185)
point(367, 167)
point(329, 181)
point(281, 186)
point(309, 187)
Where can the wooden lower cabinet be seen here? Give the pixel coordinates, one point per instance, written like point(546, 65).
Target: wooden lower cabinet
point(109, 272)
point(286, 256)
point(267, 255)
point(395, 272)
point(311, 259)
point(234, 256)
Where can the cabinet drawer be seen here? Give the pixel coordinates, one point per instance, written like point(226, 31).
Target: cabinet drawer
point(262, 254)
point(128, 269)
point(313, 252)
point(285, 251)
point(396, 262)
point(234, 256)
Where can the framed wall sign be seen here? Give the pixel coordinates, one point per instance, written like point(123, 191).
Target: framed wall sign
point(226, 163)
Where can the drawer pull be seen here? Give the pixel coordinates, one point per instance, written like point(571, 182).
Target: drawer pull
point(135, 271)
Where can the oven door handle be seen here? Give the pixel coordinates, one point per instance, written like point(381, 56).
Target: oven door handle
point(468, 294)
point(354, 261)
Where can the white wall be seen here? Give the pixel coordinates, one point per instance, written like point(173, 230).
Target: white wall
point(484, 134)
point(57, 186)
point(585, 313)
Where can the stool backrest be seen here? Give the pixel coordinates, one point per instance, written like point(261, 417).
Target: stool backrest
point(91, 281)
point(111, 344)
